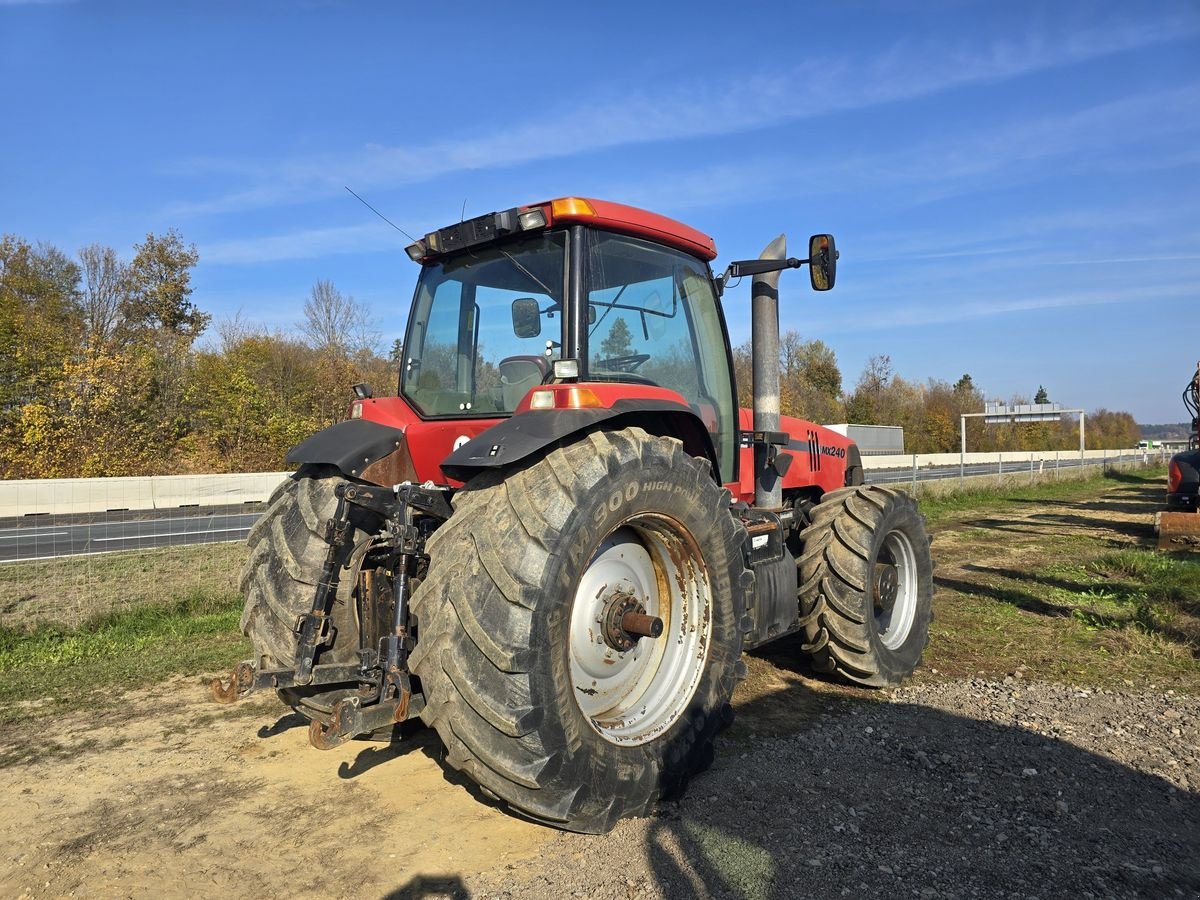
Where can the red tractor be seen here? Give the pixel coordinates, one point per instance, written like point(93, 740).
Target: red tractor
point(555, 544)
point(1179, 527)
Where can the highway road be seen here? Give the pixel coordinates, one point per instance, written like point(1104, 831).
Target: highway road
point(37, 538)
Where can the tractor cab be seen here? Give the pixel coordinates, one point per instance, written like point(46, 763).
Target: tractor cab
point(571, 291)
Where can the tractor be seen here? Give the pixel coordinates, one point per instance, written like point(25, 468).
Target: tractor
point(556, 542)
point(1179, 526)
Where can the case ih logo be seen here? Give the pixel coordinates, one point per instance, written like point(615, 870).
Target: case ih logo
point(816, 451)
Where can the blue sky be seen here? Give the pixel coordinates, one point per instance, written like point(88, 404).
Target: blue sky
point(1014, 187)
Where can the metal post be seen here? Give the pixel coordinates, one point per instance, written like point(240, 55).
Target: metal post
point(764, 335)
point(914, 474)
point(1081, 418)
point(999, 468)
point(962, 452)
point(1056, 452)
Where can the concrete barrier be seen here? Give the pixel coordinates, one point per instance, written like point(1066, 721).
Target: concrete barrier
point(62, 496)
point(905, 461)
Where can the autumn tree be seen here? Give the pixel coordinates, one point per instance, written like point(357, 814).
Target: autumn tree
point(159, 292)
point(103, 294)
point(865, 405)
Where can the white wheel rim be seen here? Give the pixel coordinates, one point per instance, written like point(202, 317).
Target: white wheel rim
point(632, 697)
point(893, 625)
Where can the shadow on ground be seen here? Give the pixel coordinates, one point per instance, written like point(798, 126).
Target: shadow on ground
point(896, 799)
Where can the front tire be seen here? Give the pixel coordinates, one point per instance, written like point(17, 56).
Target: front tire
point(532, 687)
point(866, 585)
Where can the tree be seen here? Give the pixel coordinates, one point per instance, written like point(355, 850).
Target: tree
point(334, 323)
point(39, 321)
point(1040, 396)
point(810, 380)
point(619, 341)
point(98, 424)
point(865, 405)
point(160, 288)
point(105, 290)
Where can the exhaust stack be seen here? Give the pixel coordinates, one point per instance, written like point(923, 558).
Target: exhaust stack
point(764, 342)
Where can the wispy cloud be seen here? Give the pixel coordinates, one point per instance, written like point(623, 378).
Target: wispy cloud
point(1006, 155)
point(944, 313)
point(310, 244)
point(720, 107)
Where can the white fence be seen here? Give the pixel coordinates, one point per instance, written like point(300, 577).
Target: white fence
point(1062, 457)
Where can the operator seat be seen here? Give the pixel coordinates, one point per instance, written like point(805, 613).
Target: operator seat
point(519, 375)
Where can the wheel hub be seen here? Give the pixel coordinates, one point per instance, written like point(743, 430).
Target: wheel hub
point(887, 586)
point(624, 622)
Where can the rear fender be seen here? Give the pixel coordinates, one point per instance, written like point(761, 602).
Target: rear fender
point(530, 435)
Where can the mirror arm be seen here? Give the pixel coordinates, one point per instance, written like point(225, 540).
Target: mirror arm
point(743, 267)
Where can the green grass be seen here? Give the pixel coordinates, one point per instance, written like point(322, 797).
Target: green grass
point(972, 501)
point(76, 589)
point(116, 651)
point(1062, 582)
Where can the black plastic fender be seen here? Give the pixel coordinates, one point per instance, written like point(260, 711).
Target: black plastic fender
point(351, 446)
point(528, 435)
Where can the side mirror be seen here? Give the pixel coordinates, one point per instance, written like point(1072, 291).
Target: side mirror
point(527, 317)
point(822, 261)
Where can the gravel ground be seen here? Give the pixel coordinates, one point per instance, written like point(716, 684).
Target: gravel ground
point(954, 789)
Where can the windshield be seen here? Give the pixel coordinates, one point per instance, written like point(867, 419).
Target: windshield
point(653, 320)
point(486, 327)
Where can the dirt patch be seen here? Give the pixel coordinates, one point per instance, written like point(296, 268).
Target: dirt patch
point(148, 803)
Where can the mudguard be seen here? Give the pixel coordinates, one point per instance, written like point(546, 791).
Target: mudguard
point(528, 434)
point(360, 449)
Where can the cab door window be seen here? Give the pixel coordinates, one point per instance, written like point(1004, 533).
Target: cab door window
point(653, 319)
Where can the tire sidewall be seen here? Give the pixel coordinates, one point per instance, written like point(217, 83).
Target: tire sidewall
point(687, 497)
point(901, 515)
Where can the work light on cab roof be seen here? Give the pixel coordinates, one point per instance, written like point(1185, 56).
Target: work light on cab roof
point(547, 214)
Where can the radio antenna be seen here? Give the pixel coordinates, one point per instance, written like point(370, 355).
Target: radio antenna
point(381, 215)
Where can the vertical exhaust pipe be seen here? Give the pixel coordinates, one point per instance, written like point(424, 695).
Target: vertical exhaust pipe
point(764, 341)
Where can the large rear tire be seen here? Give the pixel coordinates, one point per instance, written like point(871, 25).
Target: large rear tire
point(287, 552)
point(537, 694)
point(866, 585)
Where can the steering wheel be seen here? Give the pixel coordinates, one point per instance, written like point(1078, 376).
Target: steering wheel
point(624, 363)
